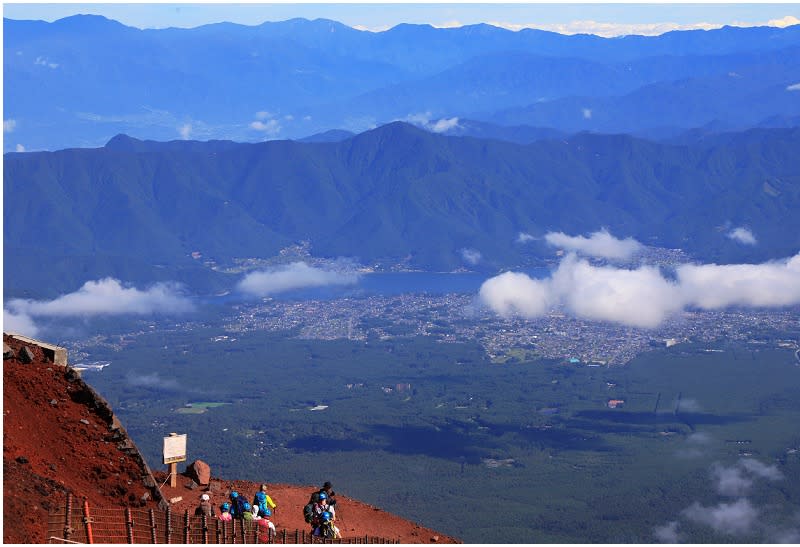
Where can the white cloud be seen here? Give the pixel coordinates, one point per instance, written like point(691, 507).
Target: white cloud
point(513, 293)
point(690, 405)
point(786, 21)
point(423, 119)
point(9, 125)
point(379, 28)
point(793, 87)
point(599, 244)
point(271, 127)
point(643, 297)
point(297, 275)
point(444, 125)
point(153, 381)
point(448, 24)
point(263, 115)
point(667, 533)
point(700, 437)
point(19, 322)
point(638, 298)
point(185, 131)
point(19, 148)
point(731, 481)
point(727, 518)
point(524, 237)
point(471, 256)
point(42, 61)
point(420, 118)
point(737, 479)
point(713, 286)
point(742, 235)
point(761, 470)
point(609, 30)
point(288, 117)
point(107, 297)
point(587, 113)
point(696, 444)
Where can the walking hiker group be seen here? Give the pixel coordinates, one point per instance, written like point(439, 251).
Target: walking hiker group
point(259, 513)
point(320, 512)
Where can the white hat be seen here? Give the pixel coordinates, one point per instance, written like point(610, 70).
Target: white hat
point(205, 497)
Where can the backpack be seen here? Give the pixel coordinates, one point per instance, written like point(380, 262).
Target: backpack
point(308, 512)
point(263, 509)
point(237, 507)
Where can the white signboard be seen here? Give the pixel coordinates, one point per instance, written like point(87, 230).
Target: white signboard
point(174, 448)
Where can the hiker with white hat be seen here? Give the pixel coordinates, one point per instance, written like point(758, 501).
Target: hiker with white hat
point(205, 507)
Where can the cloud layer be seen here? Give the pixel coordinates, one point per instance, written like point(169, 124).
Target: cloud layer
point(297, 275)
point(600, 244)
point(641, 297)
point(102, 297)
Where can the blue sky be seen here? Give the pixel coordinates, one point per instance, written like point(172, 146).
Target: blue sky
point(599, 18)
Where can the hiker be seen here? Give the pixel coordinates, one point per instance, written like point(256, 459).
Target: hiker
point(310, 511)
point(265, 529)
point(264, 502)
point(326, 528)
point(226, 512)
point(237, 505)
point(328, 489)
point(205, 507)
point(247, 518)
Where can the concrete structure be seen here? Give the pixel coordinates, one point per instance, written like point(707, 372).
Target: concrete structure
point(56, 354)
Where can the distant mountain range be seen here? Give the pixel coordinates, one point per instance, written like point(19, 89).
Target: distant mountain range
point(137, 209)
point(78, 81)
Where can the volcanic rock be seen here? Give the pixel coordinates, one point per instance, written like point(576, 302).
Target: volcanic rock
point(199, 472)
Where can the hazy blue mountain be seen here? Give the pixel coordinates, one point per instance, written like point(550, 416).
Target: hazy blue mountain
point(522, 134)
point(80, 80)
point(332, 135)
point(142, 208)
point(741, 98)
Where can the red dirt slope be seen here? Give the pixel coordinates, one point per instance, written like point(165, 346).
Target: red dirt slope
point(57, 439)
point(48, 451)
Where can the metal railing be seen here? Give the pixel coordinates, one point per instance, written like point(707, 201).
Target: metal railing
point(77, 522)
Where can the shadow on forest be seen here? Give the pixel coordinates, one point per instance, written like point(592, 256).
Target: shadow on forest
point(651, 418)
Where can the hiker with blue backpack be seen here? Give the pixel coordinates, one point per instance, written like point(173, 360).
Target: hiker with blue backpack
point(264, 502)
point(237, 505)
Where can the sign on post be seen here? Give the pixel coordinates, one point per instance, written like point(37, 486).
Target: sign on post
point(174, 452)
point(174, 448)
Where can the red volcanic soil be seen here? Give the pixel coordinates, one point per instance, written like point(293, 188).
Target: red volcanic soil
point(48, 451)
point(55, 440)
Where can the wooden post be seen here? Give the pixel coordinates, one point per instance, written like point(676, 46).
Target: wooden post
point(173, 474)
point(233, 530)
point(217, 531)
point(186, 527)
point(284, 535)
point(168, 529)
point(152, 526)
point(68, 517)
point(87, 522)
point(304, 536)
point(224, 532)
point(296, 535)
point(129, 524)
point(205, 528)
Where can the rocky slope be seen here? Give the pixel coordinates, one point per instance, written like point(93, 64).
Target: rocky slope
point(59, 436)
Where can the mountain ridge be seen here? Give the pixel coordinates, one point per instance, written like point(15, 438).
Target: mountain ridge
point(392, 192)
